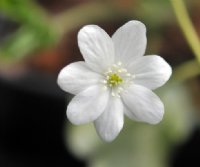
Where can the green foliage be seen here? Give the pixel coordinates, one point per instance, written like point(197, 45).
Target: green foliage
point(35, 31)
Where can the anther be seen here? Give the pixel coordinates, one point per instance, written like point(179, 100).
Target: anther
point(119, 63)
point(104, 81)
point(124, 70)
point(118, 96)
point(114, 65)
point(105, 87)
point(113, 94)
point(118, 91)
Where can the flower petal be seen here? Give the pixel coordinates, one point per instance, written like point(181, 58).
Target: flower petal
point(150, 71)
point(96, 47)
point(88, 105)
point(130, 41)
point(142, 104)
point(76, 77)
point(111, 121)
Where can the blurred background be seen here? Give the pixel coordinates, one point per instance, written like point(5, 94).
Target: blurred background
point(39, 37)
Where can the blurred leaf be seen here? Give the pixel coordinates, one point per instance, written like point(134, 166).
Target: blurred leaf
point(24, 11)
point(154, 13)
point(35, 33)
point(87, 144)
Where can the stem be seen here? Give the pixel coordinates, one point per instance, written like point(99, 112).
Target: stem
point(187, 27)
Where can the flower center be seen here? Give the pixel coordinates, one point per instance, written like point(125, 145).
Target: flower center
point(117, 79)
point(114, 80)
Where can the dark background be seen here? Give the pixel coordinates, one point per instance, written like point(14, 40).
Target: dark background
point(32, 118)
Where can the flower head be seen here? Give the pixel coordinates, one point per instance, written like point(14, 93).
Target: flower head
point(115, 79)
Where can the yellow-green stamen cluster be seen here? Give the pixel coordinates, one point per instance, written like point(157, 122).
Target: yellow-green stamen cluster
point(114, 80)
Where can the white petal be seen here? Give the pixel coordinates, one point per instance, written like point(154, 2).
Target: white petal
point(130, 41)
point(76, 77)
point(87, 105)
point(111, 121)
point(150, 71)
point(96, 47)
point(130, 114)
point(143, 105)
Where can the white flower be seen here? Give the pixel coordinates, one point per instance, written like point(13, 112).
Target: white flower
point(115, 79)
